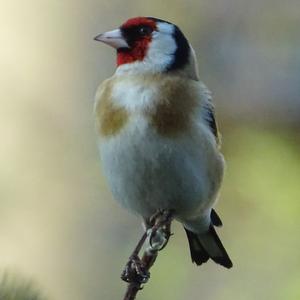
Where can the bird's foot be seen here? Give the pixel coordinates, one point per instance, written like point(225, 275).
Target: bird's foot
point(159, 233)
point(135, 271)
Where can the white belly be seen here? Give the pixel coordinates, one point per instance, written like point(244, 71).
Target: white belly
point(147, 172)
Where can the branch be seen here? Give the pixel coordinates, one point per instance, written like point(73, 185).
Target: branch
point(158, 238)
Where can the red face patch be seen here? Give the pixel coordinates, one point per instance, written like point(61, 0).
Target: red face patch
point(138, 22)
point(137, 32)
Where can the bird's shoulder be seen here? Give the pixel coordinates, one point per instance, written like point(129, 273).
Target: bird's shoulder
point(109, 117)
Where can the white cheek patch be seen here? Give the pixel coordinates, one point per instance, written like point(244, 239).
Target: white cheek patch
point(165, 28)
point(162, 48)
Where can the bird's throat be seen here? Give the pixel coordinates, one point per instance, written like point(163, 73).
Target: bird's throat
point(137, 53)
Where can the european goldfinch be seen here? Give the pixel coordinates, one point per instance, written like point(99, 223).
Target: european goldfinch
point(157, 133)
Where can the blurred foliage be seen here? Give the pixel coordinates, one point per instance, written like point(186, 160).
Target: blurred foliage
point(15, 287)
point(58, 220)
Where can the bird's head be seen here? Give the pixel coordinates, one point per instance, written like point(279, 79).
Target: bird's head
point(150, 45)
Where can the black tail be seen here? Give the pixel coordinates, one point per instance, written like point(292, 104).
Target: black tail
point(207, 245)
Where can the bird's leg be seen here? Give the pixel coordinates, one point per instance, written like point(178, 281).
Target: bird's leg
point(134, 270)
point(160, 231)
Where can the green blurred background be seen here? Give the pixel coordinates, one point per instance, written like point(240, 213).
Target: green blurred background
point(58, 222)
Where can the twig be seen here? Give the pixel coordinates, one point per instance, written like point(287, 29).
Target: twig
point(158, 239)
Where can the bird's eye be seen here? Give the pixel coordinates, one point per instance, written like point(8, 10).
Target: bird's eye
point(145, 30)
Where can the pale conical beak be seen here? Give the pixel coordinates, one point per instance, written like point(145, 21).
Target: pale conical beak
point(112, 38)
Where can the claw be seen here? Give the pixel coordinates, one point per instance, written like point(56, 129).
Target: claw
point(158, 239)
point(160, 231)
point(134, 271)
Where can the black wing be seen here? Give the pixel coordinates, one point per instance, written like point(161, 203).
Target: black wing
point(209, 116)
point(211, 120)
point(208, 111)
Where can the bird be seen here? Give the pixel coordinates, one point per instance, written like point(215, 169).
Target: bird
point(157, 133)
